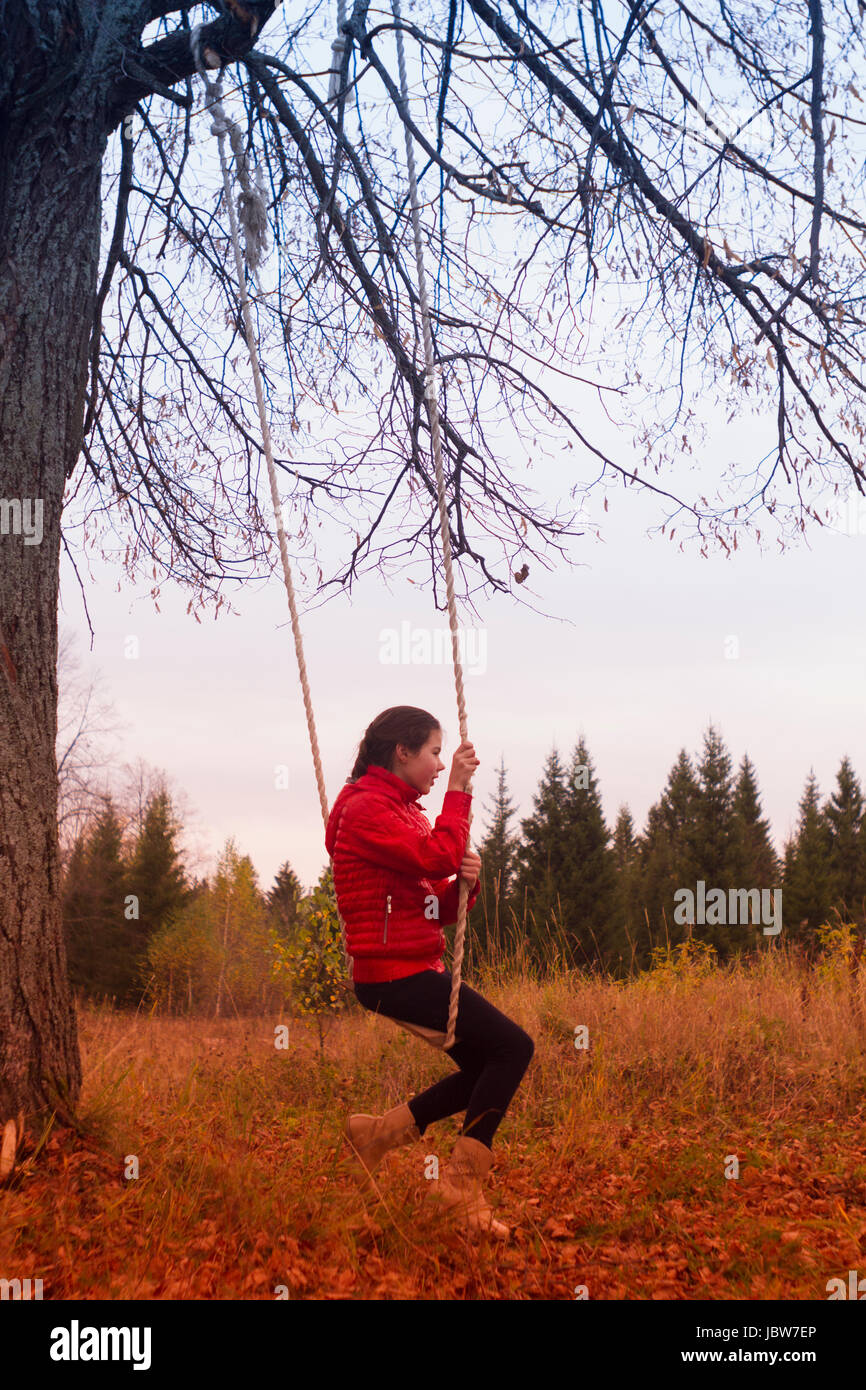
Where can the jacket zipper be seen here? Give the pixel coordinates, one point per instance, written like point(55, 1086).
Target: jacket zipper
point(387, 910)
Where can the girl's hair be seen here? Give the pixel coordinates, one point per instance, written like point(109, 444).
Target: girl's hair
point(402, 724)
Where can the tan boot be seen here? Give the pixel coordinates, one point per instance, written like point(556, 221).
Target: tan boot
point(10, 1143)
point(459, 1187)
point(370, 1137)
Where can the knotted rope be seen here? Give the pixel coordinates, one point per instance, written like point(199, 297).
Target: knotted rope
point(252, 214)
point(432, 404)
point(338, 48)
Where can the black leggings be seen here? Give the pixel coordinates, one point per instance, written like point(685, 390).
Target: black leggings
point(491, 1050)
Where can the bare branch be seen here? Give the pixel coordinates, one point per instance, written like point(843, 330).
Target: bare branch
point(163, 64)
point(817, 108)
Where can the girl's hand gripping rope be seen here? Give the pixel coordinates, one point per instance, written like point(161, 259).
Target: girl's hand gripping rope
point(463, 766)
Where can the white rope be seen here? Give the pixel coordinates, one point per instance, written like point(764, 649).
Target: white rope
point(221, 127)
point(338, 48)
point(252, 217)
point(436, 436)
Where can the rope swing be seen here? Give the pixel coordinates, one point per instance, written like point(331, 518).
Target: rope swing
point(252, 209)
point(432, 403)
point(252, 213)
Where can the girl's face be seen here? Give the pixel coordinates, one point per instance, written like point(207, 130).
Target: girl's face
point(420, 769)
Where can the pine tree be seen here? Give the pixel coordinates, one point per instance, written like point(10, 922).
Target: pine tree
point(588, 880)
point(844, 813)
point(624, 842)
point(715, 843)
point(101, 941)
point(498, 851)
point(542, 854)
point(679, 802)
point(755, 864)
point(714, 829)
point(628, 914)
point(807, 888)
point(77, 916)
point(284, 898)
point(668, 856)
point(156, 874)
point(755, 861)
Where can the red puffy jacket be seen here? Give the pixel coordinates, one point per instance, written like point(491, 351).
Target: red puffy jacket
point(392, 874)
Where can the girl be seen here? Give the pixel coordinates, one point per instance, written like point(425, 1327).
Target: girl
point(395, 886)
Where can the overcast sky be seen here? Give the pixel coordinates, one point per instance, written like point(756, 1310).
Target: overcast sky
point(637, 657)
point(637, 648)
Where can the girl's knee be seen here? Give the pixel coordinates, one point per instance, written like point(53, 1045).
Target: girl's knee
point(524, 1047)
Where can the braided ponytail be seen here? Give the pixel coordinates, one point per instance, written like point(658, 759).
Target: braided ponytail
point(404, 724)
point(362, 761)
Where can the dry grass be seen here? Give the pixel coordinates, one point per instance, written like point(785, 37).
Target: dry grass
point(610, 1163)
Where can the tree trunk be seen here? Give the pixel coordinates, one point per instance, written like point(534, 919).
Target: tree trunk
point(50, 168)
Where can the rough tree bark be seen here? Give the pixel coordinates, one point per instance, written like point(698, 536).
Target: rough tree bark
point(67, 78)
point(49, 250)
point(71, 70)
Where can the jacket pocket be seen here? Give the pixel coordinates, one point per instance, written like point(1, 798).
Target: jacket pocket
point(387, 914)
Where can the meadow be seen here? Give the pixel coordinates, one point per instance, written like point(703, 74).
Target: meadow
point(706, 1143)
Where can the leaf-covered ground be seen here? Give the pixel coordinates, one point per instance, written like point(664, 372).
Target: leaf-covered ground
point(610, 1165)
